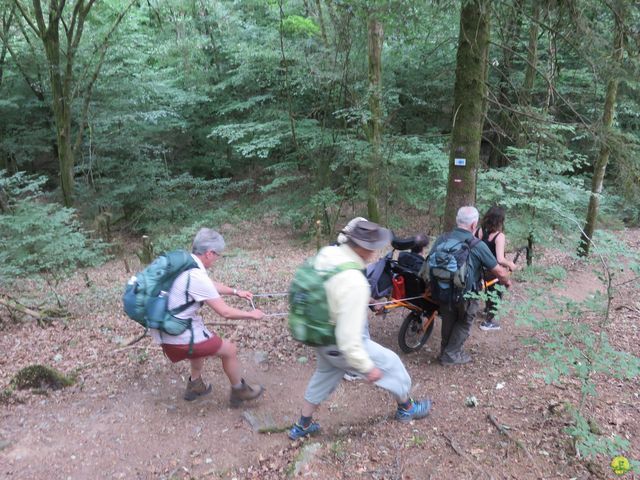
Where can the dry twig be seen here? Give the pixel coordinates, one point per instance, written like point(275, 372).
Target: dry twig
point(470, 460)
point(501, 428)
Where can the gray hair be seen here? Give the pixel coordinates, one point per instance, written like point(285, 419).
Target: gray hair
point(205, 240)
point(467, 216)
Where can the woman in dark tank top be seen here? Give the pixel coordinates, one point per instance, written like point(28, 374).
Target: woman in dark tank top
point(491, 232)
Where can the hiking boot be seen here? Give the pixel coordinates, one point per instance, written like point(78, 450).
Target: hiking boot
point(196, 388)
point(488, 325)
point(244, 393)
point(418, 409)
point(460, 359)
point(298, 431)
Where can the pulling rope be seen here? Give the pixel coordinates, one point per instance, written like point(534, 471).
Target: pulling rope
point(284, 314)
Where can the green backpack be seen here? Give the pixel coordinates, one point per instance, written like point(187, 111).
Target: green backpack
point(309, 321)
point(146, 295)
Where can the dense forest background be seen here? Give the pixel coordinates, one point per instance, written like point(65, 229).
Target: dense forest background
point(282, 119)
point(151, 116)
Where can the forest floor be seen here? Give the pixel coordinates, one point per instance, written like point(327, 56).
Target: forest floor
point(125, 417)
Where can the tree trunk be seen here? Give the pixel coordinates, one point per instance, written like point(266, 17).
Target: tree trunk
point(600, 166)
point(60, 63)
point(376, 35)
point(552, 65)
point(323, 30)
point(292, 122)
point(61, 98)
point(532, 55)
point(5, 26)
point(522, 136)
point(503, 130)
point(469, 90)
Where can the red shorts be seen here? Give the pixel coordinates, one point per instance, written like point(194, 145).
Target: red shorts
point(208, 348)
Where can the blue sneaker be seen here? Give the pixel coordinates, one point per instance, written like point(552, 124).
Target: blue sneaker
point(418, 409)
point(298, 431)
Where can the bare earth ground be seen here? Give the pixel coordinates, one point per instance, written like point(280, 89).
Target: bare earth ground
point(124, 417)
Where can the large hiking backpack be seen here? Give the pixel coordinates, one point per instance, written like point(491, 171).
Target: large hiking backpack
point(309, 320)
point(449, 274)
point(146, 294)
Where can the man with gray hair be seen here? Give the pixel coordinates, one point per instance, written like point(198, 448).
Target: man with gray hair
point(457, 317)
point(195, 286)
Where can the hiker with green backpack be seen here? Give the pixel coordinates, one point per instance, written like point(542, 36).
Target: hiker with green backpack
point(194, 288)
point(454, 267)
point(329, 300)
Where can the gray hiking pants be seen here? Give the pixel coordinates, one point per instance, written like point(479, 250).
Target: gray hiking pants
point(457, 321)
point(331, 366)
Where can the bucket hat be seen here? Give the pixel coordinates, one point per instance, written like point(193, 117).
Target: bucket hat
point(369, 235)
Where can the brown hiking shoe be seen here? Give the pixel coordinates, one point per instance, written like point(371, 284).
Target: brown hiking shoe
point(195, 389)
point(244, 393)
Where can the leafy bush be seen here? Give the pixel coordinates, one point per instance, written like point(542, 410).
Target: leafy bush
point(297, 25)
point(41, 238)
point(572, 343)
point(184, 236)
point(150, 199)
point(539, 188)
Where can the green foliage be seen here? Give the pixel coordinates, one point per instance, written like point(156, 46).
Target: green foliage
point(540, 187)
point(416, 441)
point(419, 171)
point(203, 88)
point(572, 340)
point(148, 198)
point(590, 443)
point(41, 238)
point(182, 238)
point(297, 25)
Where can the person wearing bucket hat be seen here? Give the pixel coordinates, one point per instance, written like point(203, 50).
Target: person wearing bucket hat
point(342, 236)
point(348, 297)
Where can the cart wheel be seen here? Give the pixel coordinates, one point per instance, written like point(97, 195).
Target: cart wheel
point(411, 338)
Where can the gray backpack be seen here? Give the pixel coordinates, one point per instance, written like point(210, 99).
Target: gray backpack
point(448, 270)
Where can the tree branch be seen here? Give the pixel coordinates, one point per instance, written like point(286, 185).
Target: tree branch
point(40, 29)
point(96, 73)
point(518, 443)
point(32, 84)
point(461, 452)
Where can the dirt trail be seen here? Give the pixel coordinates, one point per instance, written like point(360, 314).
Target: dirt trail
point(125, 418)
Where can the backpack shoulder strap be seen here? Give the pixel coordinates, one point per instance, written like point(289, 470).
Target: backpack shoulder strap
point(472, 242)
point(188, 302)
point(347, 266)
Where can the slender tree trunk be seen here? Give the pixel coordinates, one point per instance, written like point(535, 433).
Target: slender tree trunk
point(61, 102)
point(323, 30)
point(600, 166)
point(532, 55)
point(292, 122)
point(552, 65)
point(5, 26)
point(376, 35)
point(522, 136)
point(504, 129)
point(473, 44)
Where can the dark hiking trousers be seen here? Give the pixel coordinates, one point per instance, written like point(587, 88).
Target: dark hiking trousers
point(457, 321)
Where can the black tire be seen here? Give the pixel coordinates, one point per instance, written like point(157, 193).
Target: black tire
point(410, 337)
